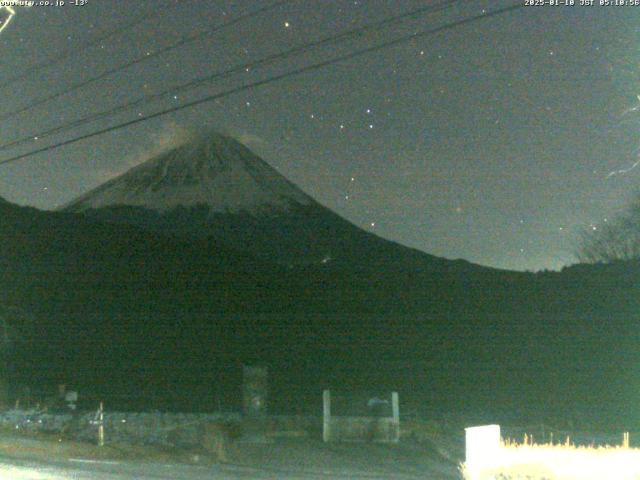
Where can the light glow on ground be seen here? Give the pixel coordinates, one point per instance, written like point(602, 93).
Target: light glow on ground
point(554, 462)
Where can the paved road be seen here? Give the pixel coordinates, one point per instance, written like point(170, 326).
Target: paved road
point(78, 469)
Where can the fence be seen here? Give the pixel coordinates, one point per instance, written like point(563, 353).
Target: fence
point(376, 426)
point(137, 418)
point(181, 430)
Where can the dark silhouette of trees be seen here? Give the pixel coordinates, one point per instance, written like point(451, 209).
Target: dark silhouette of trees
point(613, 241)
point(17, 333)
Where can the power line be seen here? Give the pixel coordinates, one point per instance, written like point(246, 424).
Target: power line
point(250, 65)
point(75, 50)
point(144, 58)
point(275, 78)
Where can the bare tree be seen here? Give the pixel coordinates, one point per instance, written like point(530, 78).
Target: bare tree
point(617, 240)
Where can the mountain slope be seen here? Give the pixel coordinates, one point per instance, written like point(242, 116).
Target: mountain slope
point(120, 310)
point(216, 187)
point(339, 306)
point(215, 172)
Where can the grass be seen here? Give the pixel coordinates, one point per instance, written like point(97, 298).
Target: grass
point(530, 461)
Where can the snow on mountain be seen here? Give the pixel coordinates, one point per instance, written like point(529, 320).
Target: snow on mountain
point(216, 171)
point(215, 187)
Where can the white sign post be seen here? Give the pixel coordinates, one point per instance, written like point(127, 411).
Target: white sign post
point(482, 447)
point(326, 416)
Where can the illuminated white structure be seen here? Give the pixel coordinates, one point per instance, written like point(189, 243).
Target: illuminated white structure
point(482, 448)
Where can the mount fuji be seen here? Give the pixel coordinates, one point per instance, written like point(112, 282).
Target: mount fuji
point(216, 187)
point(209, 259)
point(216, 172)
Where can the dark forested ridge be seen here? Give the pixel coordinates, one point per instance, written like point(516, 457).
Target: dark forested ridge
point(116, 307)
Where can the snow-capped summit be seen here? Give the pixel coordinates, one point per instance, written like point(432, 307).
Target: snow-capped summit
point(214, 171)
point(216, 188)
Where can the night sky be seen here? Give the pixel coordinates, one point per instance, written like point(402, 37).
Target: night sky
point(498, 141)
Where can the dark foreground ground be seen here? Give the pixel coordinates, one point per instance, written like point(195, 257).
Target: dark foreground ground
point(42, 458)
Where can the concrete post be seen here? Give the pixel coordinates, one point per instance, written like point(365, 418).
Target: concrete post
point(255, 388)
point(255, 424)
point(101, 426)
point(395, 407)
point(326, 416)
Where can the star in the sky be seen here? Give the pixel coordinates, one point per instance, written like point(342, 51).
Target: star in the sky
point(445, 57)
